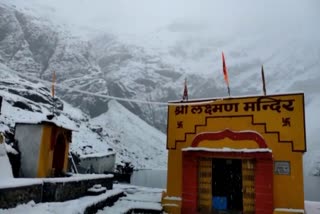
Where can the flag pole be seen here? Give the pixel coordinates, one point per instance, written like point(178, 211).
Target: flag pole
point(263, 82)
point(53, 92)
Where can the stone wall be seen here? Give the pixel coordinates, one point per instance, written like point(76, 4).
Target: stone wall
point(50, 190)
point(11, 197)
point(62, 191)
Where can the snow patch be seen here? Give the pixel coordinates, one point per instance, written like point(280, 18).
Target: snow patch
point(5, 166)
point(289, 210)
point(10, 149)
point(173, 198)
point(312, 207)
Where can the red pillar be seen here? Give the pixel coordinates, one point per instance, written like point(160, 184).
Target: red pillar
point(189, 184)
point(264, 186)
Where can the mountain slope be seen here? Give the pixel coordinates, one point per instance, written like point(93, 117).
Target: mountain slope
point(137, 140)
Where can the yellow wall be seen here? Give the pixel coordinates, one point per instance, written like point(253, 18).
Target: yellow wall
point(286, 142)
point(46, 154)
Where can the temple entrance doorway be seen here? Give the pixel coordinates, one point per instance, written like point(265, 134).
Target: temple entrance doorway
point(227, 185)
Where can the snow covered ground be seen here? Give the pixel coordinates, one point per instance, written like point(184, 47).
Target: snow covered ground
point(76, 206)
point(137, 197)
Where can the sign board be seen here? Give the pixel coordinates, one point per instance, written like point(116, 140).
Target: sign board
point(282, 167)
point(281, 115)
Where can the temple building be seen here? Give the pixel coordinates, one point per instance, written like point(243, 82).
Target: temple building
point(236, 155)
point(44, 148)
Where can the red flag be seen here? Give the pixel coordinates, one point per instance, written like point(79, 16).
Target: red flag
point(225, 71)
point(53, 82)
point(185, 92)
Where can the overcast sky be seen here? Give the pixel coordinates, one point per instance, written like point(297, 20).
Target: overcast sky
point(142, 16)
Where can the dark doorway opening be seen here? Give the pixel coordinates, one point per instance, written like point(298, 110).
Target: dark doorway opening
point(58, 156)
point(227, 185)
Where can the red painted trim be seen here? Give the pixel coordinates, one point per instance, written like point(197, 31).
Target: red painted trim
point(264, 186)
point(189, 184)
point(263, 171)
point(263, 179)
point(239, 155)
point(233, 135)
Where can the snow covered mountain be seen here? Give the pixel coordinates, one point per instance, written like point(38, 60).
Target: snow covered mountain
point(25, 101)
point(153, 65)
point(136, 139)
point(33, 47)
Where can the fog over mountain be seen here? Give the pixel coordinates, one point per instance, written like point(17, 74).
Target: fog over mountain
point(145, 49)
point(216, 18)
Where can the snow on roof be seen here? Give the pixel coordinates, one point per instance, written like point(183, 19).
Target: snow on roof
point(98, 155)
point(54, 121)
point(225, 149)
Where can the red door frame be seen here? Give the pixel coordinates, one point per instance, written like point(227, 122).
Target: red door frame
point(263, 170)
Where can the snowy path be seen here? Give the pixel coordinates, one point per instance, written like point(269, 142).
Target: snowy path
point(137, 198)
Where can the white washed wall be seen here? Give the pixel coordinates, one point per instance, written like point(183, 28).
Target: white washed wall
point(99, 164)
point(29, 139)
